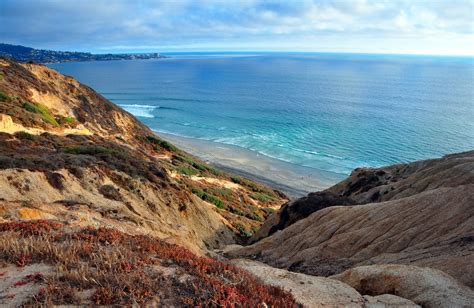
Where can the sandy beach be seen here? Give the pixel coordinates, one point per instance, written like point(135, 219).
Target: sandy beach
point(293, 180)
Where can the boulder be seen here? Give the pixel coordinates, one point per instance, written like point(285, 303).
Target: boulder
point(309, 291)
point(424, 286)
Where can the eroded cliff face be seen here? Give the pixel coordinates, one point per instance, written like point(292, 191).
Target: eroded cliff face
point(68, 153)
point(420, 214)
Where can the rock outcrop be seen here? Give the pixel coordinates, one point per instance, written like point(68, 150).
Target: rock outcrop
point(424, 286)
point(298, 209)
point(427, 220)
point(312, 291)
point(308, 290)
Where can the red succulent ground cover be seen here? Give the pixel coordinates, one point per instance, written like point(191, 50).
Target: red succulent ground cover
point(118, 268)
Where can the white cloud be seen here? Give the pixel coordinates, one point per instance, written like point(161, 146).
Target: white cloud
point(358, 25)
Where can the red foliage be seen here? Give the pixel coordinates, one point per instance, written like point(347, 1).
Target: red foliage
point(23, 259)
point(103, 296)
point(36, 277)
point(33, 227)
point(212, 283)
point(217, 283)
point(127, 267)
point(101, 235)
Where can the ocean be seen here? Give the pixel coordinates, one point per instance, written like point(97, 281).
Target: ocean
point(326, 112)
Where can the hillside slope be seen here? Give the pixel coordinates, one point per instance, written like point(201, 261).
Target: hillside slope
point(68, 153)
point(416, 214)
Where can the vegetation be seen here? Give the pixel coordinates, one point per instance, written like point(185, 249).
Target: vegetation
point(221, 191)
point(209, 198)
point(243, 231)
point(268, 210)
point(186, 170)
point(24, 136)
point(69, 121)
point(263, 197)
point(161, 143)
point(119, 269)
point(4, 97)
point(43, 111)
point(89, 150)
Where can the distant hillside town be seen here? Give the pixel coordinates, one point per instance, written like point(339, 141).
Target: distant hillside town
point(27, 54)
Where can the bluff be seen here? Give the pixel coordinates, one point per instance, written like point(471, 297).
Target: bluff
point(421, 214)
point(97, 209)
point(27, 54)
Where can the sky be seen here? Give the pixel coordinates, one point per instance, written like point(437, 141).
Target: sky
point(442, 27)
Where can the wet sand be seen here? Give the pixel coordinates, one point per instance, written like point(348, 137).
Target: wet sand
point(295, 181)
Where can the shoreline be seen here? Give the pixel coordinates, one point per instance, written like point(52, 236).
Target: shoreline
point(293, 180)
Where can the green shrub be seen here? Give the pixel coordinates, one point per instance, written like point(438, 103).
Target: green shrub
point(236, 179)
point(263, 197)
point(207, 197)
point(186, 170)
point(161, 143)
point(221, 191)
point(69, 120)
point(89, 150)
point(24, 136)
point(243, 231)
point(268, 210)
point(199, 167)
point(254, 216)
point(4, 97)
point(43, 111)
point(237, 211)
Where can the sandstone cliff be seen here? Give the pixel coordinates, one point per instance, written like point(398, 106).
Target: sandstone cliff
point(420, 214)
point(67, 152)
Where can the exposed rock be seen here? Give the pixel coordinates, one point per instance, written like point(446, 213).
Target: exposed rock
point(366, 185)
point(434, 228)
point(424, 286)
point(388, 300)
point(298, 209)
point(308, 290)
point(26, 213)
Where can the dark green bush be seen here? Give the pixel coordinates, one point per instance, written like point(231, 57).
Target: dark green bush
point(161, 143)
point(24, 136)
point(222, 191)
point(207, 197)
point(186, 170)
point(237, 211)
point(268, 210)
point(243, 232)
point(89, 150)
point(236, 179)
point(263, 197)
point(4, 97)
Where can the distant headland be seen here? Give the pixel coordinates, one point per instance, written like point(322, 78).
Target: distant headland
point(26, 54)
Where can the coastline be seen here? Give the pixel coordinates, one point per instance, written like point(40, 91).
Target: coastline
point(295, 181)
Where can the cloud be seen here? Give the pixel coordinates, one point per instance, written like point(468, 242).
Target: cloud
point(335, 25)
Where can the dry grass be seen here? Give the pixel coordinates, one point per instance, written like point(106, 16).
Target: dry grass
point(106, 267)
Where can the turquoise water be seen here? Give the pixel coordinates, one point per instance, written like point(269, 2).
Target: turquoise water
point(331, 112)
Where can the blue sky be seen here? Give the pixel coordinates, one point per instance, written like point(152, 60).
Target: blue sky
point(383, 26)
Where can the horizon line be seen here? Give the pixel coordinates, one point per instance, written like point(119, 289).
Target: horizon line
point(190, 51)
